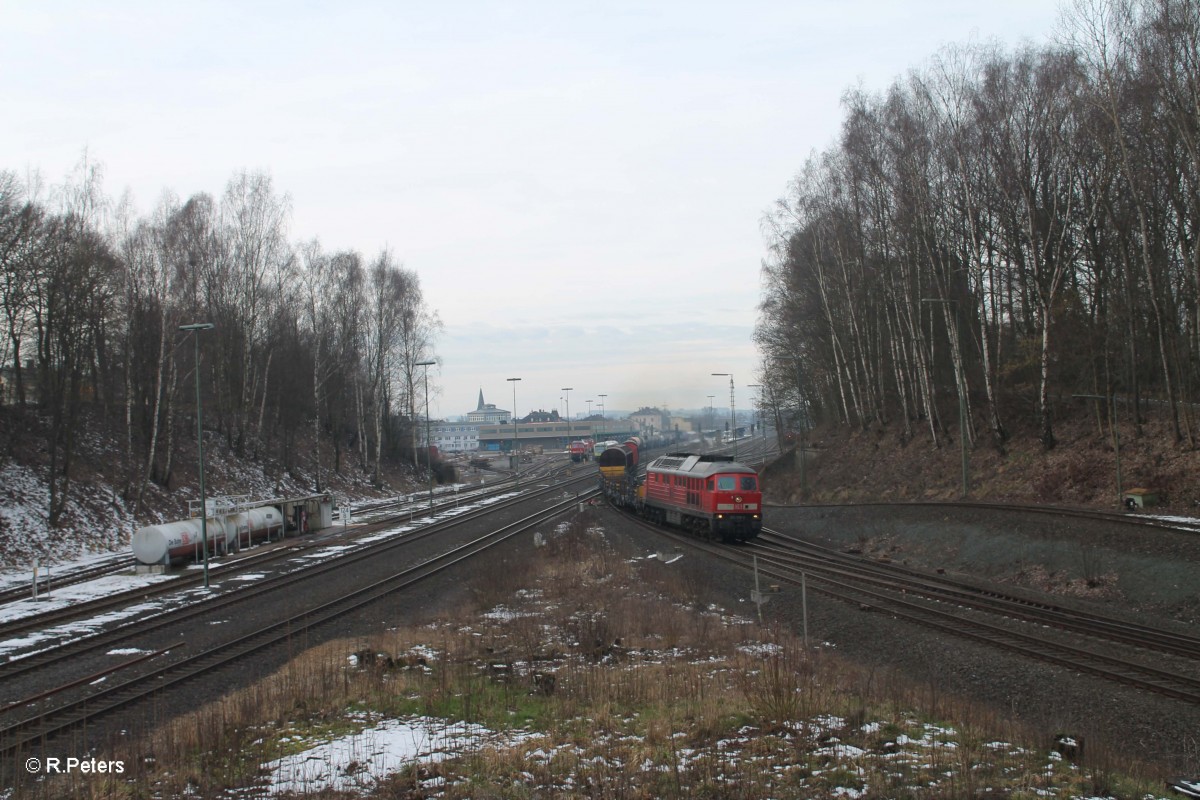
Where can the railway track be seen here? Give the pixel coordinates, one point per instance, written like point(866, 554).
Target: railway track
point(202, 607)
point(816, 559)
point(1151, 659)
point(385, 513)
point(34, 729)
point(943, 604)
point(1141, 520)
point(414, 505)
point(68, 577)
point(546, 470)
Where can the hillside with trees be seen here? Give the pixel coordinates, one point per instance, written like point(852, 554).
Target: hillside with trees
point(311, 365)
point(1016, 233)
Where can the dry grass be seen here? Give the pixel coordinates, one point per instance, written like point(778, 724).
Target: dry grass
point(606, 678)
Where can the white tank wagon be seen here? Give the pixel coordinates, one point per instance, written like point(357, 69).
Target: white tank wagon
point(253, 525)
point(174, 542)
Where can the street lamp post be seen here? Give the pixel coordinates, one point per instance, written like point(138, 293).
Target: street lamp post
point(962, 401)
point(195, 329)
point(602, 396)
point(589, 402)
point(1112, 399)
point(428, 443)
point(516, 433)
point(732, 411)
point(711, 418)
point(568, 389)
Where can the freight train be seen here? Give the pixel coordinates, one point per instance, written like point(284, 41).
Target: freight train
point(618, 464)
point(710, 495)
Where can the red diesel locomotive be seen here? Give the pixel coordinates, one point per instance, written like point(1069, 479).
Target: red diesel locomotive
point(580, 450)
point(711, 495)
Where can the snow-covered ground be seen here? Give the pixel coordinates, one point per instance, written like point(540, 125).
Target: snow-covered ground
point(356, 762)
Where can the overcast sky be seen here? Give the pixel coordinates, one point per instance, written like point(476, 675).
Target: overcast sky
point(578, 186)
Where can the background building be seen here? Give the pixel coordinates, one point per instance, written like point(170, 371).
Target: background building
point(454, 437)
point(683, 424)
point(488, 414)
point(551, 436)
point(463, 436)
point(651, 420)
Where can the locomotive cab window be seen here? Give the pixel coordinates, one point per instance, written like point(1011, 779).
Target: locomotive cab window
point(726, 483)
point(749, 483)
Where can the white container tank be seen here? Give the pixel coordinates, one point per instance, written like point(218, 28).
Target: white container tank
point(249, 527)
point(175, 541)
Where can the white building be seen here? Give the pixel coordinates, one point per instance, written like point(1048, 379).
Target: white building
point(460, 437)
point(488, 414)
point(455, 437)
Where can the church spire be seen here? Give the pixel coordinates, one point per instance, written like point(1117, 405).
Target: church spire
point(480, 406)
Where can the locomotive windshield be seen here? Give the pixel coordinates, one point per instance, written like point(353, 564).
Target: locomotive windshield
point(728, 483)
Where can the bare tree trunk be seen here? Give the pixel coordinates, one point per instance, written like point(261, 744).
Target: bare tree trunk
point(262, 408)
point(152, 450)
point(845, 380)
point(378, 421)
point(127, 456)
point(950, 316)
point(318, 393)
point(172, 388)
point(920, 359)
point(1045, 423)
point(900, 368)
point(359, 422)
